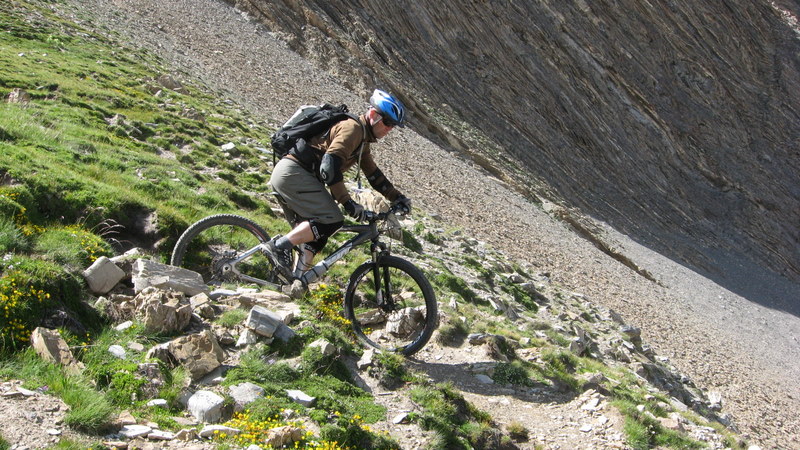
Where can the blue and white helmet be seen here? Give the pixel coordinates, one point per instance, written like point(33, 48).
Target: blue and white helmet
point(389, 107)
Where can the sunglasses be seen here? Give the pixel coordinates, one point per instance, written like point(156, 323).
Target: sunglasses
point(389, 122)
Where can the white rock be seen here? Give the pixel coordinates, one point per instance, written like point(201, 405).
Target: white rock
point(206, 406)
point(124, 325)
point(324, 346)
point(117, 350)
point(248, 337)
point(263, 321)
point(135, 346)
point(591, 404)
point(210, 430)
point(159, 435)
point(245, 393)
point(103, 275)
point(366, 359)
point(134, 431)
point(400, 418)
point(148, 273)
point(300, 397)
point(157, 403)
point(25, 392)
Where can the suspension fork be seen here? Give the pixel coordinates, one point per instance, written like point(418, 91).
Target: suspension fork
point(383, 284)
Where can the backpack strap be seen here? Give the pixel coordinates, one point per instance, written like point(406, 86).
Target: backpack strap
point(360, 147)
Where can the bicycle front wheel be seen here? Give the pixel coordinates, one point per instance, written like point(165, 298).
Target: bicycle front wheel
point(226, 248)
point(391, 305)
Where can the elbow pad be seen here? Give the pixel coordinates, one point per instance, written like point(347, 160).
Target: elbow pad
point(330, 169)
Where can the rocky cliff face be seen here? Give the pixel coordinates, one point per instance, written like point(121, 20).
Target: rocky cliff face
point(676, 123)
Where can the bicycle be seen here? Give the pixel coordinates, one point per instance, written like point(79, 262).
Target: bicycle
point(388, 300)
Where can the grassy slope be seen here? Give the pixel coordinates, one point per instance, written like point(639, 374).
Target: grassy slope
point(95, 143)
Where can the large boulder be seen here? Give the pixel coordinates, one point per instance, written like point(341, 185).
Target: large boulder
point(50, 346)
point(148, 273)
point(163, 312)
point(199, 353)
point(103, 275)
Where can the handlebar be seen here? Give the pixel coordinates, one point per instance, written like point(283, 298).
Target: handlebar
point(371, 216)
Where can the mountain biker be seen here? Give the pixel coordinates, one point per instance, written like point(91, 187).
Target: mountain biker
point(302, 186)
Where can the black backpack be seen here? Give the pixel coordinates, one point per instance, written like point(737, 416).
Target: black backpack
point(307, 122)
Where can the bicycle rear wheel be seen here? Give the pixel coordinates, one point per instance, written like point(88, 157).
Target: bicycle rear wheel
point(391, 305)
point(215, 246)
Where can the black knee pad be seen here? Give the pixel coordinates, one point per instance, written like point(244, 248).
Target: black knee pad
point(318, 245)
point(322, 231)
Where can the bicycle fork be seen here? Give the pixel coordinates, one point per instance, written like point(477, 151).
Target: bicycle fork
point(383, 282)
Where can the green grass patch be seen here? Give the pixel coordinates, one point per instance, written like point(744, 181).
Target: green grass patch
point(445, 284)
point(352, 432)
point(559, 367)
point(557, 338)
point(71, 246)
point(453, 333)
point(326, 301)
point(517, 431)
point(644, 432)
point(410, 242)
point(323, 377)
point(450, 416)
point(116, 377)
point(174, 381)
point(513, 373)
point(69, 444)
point(521, 296)
point(391, 371)
point(12, 239)
point(313, 362)
point(93, 137)
point(259, 365)
point(89, 410)
point(232, 317)
point(29, 289)
point(334, 395)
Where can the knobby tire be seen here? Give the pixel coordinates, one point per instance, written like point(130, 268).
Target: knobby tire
point(404, 328)
point(209, 243)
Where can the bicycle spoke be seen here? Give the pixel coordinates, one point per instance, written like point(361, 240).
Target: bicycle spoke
point(214, 246)
point(396, 312)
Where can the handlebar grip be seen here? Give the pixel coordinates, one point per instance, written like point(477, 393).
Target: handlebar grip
point(399, 209)
point(371, 216)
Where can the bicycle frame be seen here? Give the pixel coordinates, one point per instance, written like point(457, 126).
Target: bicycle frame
point(364, 233)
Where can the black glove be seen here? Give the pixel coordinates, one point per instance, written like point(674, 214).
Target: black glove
point(355, 210)
point(404, 204)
